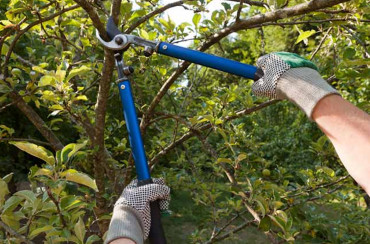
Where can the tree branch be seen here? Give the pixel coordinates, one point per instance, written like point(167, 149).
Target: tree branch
point(252, 3)
point(229, 233)
point(21, 32)
point(155, 12)
point(321, 42)
point(36, 120)
point(190, 134)
point(14, 233)
point(94, 18)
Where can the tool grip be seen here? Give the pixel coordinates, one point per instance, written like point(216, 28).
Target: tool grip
point(156, 233)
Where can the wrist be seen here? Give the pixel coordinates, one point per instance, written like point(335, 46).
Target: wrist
point(125, 223)
point(304, 87)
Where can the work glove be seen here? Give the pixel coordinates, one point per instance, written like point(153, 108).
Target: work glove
point(289, 76)
point(131, 213)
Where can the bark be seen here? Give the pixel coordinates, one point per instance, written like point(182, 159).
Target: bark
point(37, 121)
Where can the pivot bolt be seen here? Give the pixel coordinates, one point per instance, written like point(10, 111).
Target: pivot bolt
point(164, 47)
point(123, 87)
point(148, 51)
point(128, 70)
point(118, 40)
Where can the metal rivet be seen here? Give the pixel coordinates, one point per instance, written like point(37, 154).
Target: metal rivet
point(123, 87)
point(164, 47)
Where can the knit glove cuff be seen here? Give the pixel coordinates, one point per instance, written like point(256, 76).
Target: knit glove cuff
point(125, 223)
point(305, 87)
point(289, 76)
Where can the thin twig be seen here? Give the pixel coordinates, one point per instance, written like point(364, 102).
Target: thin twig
point(15, 233)
point(321, 42)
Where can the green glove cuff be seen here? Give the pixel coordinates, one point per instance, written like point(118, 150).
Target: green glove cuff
point(295, 61)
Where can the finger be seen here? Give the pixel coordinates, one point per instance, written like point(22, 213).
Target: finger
point(159, 181)
point(154, 191)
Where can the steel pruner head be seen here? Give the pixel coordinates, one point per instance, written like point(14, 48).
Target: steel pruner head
point(120, 41)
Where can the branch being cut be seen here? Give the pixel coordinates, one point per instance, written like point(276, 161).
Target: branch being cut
point(94, 18)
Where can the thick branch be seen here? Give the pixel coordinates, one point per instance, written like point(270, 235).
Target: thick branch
point(94, 18)
point(115, 10)
point(37, 121)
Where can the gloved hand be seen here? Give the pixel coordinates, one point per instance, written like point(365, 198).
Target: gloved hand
point(289, 76)
point(131, 214)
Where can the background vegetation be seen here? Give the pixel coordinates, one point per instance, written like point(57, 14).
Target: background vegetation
point(242, 169)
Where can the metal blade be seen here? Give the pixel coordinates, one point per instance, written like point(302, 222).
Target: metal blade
point(112, 29)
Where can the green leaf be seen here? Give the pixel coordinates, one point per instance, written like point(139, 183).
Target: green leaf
point(11, 204)
point(37, 231)
point(196, 19)
point(82, 70)
point(241, 157)
point(70, 150)
point(3, 191)
point(92, 239)
point(265, 224)
point(80, 230)
point(349, 53)
point(45, 172)
point(278, 222)
point(27, 195)
point(144, 34)
point(7, 178)
point(304, 35)
point(82, 98)
point(46, 80)
point(80, 178)
point(224, 160)
point(70, 202)
point(35, 150)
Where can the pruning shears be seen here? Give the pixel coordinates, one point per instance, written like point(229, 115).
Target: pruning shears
point(120, 42)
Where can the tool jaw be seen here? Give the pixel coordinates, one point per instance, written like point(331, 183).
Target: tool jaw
point(120, 41)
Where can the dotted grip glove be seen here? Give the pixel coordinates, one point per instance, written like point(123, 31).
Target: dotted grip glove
point(131, 213)
point(289, 76)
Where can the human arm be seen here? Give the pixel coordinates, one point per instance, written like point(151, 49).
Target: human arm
point(348, 128)
point(289, 76)
point(131, 217)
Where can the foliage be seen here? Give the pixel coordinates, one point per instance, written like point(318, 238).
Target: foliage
point(241, 162)
point(55, 209)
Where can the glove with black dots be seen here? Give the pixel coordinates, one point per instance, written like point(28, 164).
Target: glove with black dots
point(131, 214)
point(289, 76)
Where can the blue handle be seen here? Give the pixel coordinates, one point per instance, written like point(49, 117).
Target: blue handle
point(132, 124)
point(223, 64)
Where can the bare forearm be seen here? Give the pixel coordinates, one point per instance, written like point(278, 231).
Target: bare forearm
point(348, 128)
